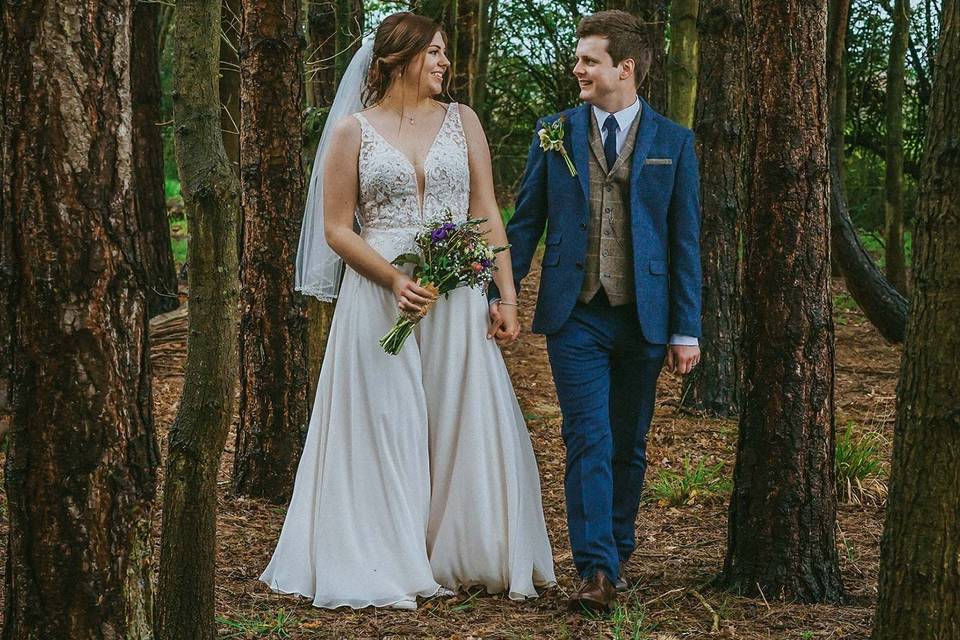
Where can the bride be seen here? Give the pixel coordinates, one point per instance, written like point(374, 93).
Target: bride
point(417, 476)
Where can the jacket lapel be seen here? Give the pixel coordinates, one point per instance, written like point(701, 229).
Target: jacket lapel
point(579, 146)
point(645, 135)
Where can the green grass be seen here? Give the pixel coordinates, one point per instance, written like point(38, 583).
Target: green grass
point(856, 460)
point(690, 484)
point(274, 625)
point(630, 621)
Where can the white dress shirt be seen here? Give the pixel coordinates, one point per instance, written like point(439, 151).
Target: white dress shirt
point(624, 120)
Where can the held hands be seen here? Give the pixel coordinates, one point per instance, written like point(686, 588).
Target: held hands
point(504, 323)
point(682, 359)
point(411, 297)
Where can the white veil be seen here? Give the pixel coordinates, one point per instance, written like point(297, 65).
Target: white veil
point(318, 267)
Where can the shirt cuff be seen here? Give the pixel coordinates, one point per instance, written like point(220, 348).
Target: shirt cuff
point(684, 341)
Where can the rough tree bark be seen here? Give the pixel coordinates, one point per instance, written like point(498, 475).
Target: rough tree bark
point(320, 55)
point(896, 264)
point(273, 332)
point(920, 553)
point(682, 61)
point(654, 13)
point(349, 25)
point(838, 22)
point(211, 195)
point(155, 252)
point(229, 85)
point(781, 532)
point(82, 455)
point(714, 384)
point(879, 300)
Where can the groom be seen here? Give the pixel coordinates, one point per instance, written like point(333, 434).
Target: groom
point(619, 289)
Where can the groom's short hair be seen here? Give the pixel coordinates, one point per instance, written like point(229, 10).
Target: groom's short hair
point(626, 37)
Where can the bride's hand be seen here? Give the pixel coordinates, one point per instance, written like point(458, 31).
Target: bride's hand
point(504, 323)
point(410, 296)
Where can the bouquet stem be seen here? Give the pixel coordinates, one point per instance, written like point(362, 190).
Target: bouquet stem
point(403, 327)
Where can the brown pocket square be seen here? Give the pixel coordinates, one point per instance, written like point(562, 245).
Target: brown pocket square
point(658, 161)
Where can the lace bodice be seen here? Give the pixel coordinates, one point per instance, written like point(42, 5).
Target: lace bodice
point(389, 194)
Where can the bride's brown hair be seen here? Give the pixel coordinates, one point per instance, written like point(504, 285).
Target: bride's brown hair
point(400, 38)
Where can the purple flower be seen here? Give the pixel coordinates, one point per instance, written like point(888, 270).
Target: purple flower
point(487, 263)
point(438, 234)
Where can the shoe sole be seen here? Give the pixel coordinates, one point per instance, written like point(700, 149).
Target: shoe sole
point(582, 605)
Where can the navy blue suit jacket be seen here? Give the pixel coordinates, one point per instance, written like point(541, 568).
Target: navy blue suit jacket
point(664, 225)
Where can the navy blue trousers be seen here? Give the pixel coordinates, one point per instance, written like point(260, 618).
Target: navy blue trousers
point(606, 378)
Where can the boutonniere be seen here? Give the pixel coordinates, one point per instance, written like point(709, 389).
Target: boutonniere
point(551, 139)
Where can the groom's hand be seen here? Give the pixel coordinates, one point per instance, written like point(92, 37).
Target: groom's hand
point(682, 359)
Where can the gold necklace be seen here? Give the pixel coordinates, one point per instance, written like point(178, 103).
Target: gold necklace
point(401, 114)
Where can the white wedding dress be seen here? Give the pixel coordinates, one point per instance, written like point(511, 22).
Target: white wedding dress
point(417, 473)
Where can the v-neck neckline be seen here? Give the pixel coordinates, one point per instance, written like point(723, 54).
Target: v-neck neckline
point(421, 197)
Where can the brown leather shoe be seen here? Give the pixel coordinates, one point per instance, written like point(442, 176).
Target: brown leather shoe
point(595, 594)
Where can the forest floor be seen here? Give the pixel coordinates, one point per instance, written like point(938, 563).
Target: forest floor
point(680, 547)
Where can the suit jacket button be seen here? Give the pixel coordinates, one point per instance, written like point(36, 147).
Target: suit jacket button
point(579, 265)
point(583, 225)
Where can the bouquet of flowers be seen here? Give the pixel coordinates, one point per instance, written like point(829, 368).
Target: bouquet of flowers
point(450, 255)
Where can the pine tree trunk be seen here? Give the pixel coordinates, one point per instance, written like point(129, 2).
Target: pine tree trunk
point(229, 85)
point(714, 384)
point(781, 532)
point(273, 365)
point(156, 253)
point(320, 58)
point(319, 317)
point(880, 302)
point(682, 61)
point(82, 454)
point(839, 20)
point(920, 553)
point(211, 195)
point(654, 13)
point(896, 266)
point(349, 22)
point(478, 78)
point(349, 16)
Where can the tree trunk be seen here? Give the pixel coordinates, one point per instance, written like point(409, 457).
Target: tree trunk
point(349, 16)
point(880, 302)
point(350, 22)
point(838, 20)
point(156, 253)
point(82, 454)
point(714, 384)
point(654, 13)
point(781, 532)
point(273, 364)
point(229, 85)
point(319, 317)
point(320, 58)
point(211, 194)
point(682, 61)
point(478, 79)
point(920, 553)
point(896, 266)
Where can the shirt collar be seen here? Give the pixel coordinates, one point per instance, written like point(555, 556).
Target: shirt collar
point(624, 116)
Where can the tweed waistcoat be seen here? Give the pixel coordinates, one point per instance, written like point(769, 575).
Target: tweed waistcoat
point(609, 262)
